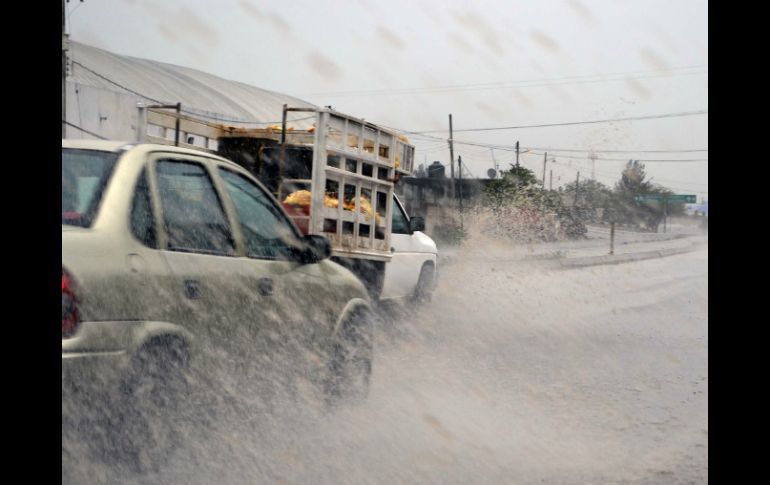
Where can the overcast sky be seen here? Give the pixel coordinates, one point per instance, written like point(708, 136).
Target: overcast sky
point(408, 64)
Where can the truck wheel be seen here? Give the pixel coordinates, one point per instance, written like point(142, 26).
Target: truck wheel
point(350, 362)
point(424, 290)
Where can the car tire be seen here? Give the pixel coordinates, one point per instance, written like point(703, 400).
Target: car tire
point(147, 429)
point(423, 292)
point(350, 361)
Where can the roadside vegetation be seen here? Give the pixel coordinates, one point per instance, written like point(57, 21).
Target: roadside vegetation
point(517, 206)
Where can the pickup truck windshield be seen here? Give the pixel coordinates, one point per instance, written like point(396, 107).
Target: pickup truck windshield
point(84, 175)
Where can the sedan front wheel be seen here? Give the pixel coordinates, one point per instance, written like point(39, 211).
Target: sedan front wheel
point(350, 362)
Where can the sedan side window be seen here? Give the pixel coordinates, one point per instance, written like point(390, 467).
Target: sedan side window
point(267, 232)
point(142, 222)
point(193, 215)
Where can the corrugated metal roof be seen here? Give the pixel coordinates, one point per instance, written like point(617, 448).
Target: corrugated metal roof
point(200, 93)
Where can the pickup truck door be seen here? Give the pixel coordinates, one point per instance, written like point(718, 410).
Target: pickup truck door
point(403, 270)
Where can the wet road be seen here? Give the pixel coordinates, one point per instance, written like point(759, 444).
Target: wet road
point(512, 374)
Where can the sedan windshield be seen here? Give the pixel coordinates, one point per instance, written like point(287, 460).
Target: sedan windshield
point(84, 174)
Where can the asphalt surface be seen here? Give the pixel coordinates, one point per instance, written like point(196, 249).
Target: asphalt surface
point(514, 373)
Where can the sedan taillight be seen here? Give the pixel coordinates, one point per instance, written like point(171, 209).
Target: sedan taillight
point(70, 317)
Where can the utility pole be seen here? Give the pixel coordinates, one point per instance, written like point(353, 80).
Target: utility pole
point(517, 153)
point(63, 72)
point(612, 237)
point(452, 158)
point(460, 174)
point(545, 159)
point(577, 186)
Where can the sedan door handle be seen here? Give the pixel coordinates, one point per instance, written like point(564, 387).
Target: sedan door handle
point(265, 286)
point(192, 289)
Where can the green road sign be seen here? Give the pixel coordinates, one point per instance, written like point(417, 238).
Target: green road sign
point(686, 198)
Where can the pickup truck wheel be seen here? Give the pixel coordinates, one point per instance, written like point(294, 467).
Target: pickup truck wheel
point(350, 363)
point(424, 290)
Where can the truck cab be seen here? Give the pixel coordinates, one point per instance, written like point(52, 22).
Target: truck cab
point(411, 274)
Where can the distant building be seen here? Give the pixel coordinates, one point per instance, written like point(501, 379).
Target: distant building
point(431, 196)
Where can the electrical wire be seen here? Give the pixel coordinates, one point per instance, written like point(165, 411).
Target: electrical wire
point(599, 150)
point(83, 130)
point(585, 79)
point(545, 125)
point(615, 175)
point(671, 160)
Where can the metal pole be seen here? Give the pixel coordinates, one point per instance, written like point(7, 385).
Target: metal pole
point(282, 158)
point(141, 122)
point(63, 72)
point(460, 174)
point(517, 153)
point(612, 238)
point(577, 186)
point(178, 119)
point(545, 159)
point(283, 125)
point(452, 158)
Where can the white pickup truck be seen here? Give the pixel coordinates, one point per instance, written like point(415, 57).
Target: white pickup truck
point(411, 274)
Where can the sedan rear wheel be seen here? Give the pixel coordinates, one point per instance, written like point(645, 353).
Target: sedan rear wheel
point(147, 430)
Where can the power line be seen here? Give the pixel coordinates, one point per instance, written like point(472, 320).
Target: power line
point(512, 148)
point(424, 137)
point(545, 125)
point(613, 175)
point(422, 134)
point(584, 79)
point(115, 83)
point(83, 130)
point(532, 150)
point(650, 160)
point(672, 160)
point(674, 184)
point(466, 169)
point(598, 150)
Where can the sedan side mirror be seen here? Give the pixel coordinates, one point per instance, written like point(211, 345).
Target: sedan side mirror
point(417, 223)
point(314, 249)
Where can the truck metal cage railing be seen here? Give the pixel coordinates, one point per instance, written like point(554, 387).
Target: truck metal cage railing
point(156, 124)
point(354, 166)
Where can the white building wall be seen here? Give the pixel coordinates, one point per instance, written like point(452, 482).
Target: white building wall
point(109, 114)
